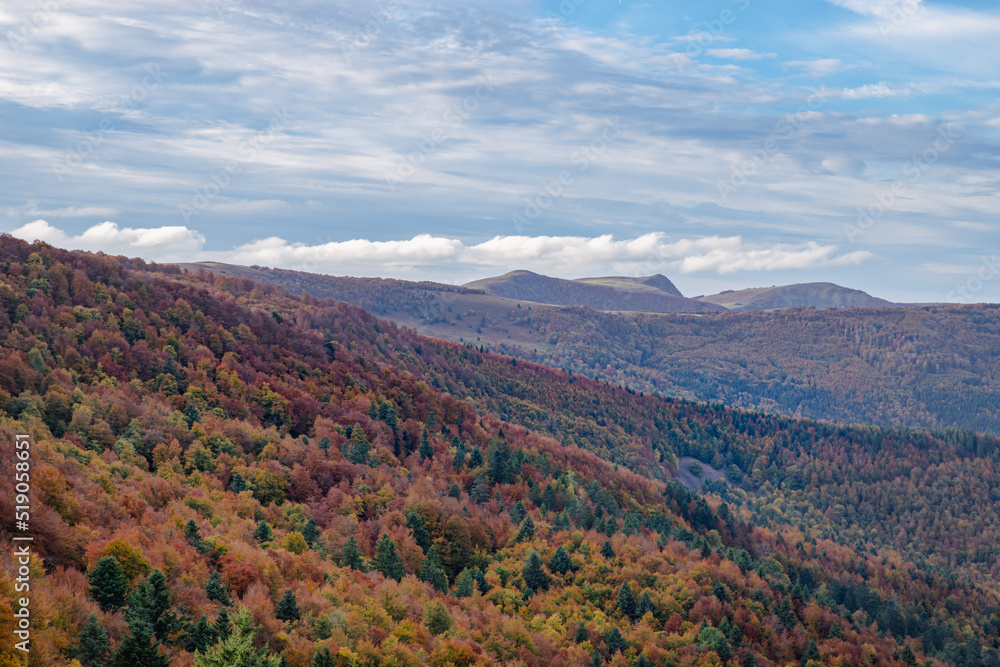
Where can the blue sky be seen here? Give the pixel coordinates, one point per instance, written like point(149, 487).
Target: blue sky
point(726, 144)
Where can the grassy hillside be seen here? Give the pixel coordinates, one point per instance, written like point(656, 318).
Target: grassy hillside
point(209, 444)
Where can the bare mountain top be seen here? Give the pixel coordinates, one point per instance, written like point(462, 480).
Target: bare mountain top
point(654, 294)
point(805, 295)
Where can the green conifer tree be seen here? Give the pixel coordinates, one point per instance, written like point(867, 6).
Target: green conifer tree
point(432, 571)
point(560, 563)
point(108, 586)
point(534, 576)
point(351, 555)
point(626, 602)
point(387, 560)
point(93, 646)
point(287, 608)
point(465, 586)
point(216, 589)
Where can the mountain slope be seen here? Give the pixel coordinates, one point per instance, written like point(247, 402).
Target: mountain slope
point(806, 295)
point(352, 486)
point(655, 294)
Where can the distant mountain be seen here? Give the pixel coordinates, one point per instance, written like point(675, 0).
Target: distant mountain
point(654, 294)
point(804, 295)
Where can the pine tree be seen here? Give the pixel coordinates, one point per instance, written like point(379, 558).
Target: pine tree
point(351, 555)
point(645, 605)
point(458, 462)
point(615, 642)
point(560, 563)
point(432, 571)
point(108, 587)
point(150, 603)
point(359, 446)
point(237, 484)
point(419, 530)
point(223, 627)
point(139, 648)
point(466, 584)
point(216, 589)
point(533, 574)
point(288, 607)
point(323, 658)
point(581, 634)
point(235, 651)
point(200, 636)
point(311, 532)
point(324, 443)
point(596, 660)
point(527, 530)
point(518, 512)
point(812, 653)
point(454, 491)
point(476, 458)
point(426, 449)
point(626, 601)
point(386, 560)
point(193, 535)
point(480, 492)
point(607, 550)
point(481, 583)
point(643, 661)
point(263, 532)
point(93, 646)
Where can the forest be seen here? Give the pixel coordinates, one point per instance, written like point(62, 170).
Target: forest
point(227, 473)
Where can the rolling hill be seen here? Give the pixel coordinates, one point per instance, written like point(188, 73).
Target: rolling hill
point(807, 295)
point(348, 492)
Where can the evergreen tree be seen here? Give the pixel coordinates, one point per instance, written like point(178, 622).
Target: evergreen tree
point(108, 587)
point(323, 658)
point(426, 449)
point(93, 646)
point(615, 642)
point(499, 468)
point(475, 458)
point(480, 492)
point(812, 653)
point(526, 531)
point(311, 532)
point(193, 535)
point(560, 563)
point(518, 512)
point(645, 605)
point(596, 660)
point(237, 484)
point(533, 574)
point(432, 571)
point(200, 636)
point(481, 583)
point(223, 627)
point(386, 560)
point(324, 443)
point(263, 532)
point(216, 589)
point(387, 414)
point(466, 584)
point(626, 602)
point(351, 555)
point(458, 462)
point(419, 530)
point(150, 603)
point(359, 447)
point(607, 550)
point(643, 661)
point(454, 491)
point(288, 607)
point(235, 651)
point(139, 648)
point(581, 634)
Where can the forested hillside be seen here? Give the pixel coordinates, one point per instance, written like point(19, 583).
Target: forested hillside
point(927, 366)
point(227, 474)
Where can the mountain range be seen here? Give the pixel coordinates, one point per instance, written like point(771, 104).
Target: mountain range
point(874, 362)
point(227, 473)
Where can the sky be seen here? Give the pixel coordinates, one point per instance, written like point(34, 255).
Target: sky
point(725, 144)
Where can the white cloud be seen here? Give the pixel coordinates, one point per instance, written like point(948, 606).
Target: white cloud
point(883, 9)
point(158, 243)
point(739, 54)
point(879, 90)
point(75, 212)
point(821, 66)
point(563, 255)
